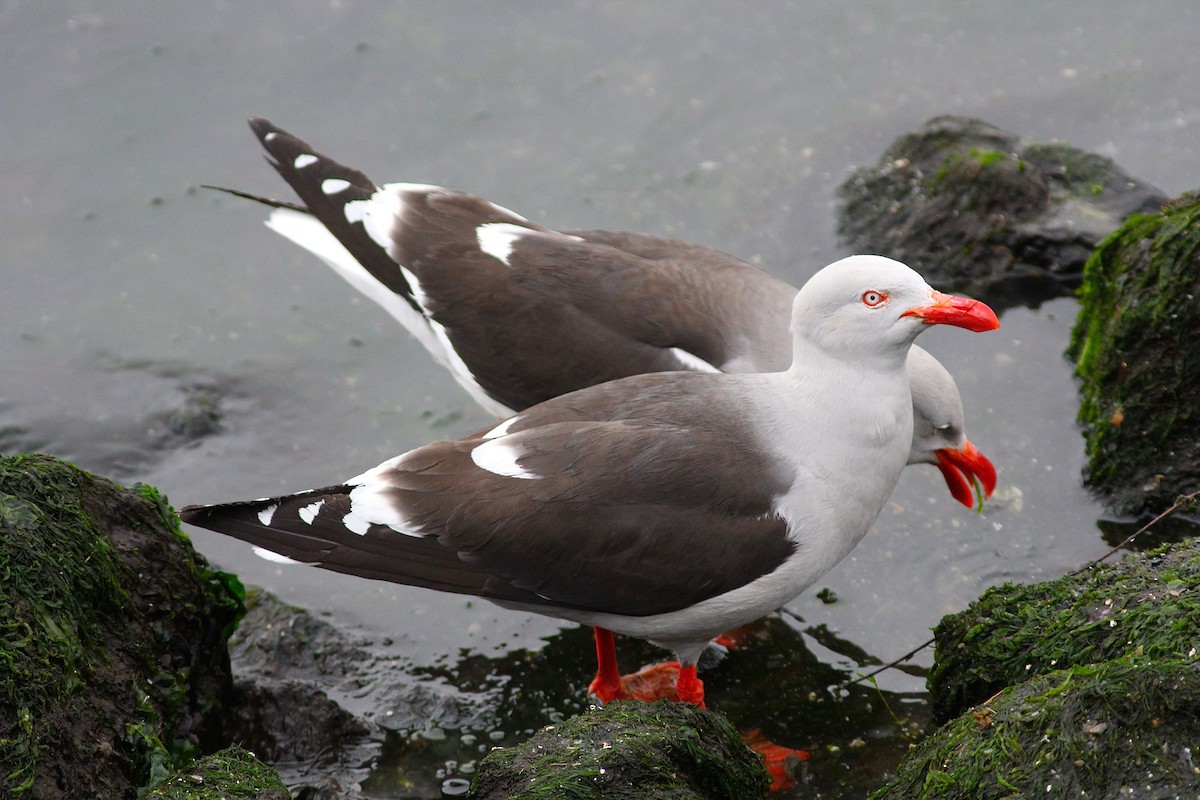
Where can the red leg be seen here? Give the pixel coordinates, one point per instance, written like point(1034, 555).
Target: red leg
point(607, 685)
point(689, 687)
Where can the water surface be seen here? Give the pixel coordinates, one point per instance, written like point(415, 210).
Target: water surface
point(129, 293)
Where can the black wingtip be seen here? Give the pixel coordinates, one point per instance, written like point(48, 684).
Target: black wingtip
point(262, 126)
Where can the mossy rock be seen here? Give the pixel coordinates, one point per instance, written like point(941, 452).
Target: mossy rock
point(983, 211)
point(1146, 606)
point(627, 750)
point(112, 635)
point(231, 774)
point(1122, 729)
point(1136, 354)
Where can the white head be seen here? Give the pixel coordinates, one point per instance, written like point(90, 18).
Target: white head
point(869, 309)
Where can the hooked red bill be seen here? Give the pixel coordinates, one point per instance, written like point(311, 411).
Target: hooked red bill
point(963, 312)
point(962, 467)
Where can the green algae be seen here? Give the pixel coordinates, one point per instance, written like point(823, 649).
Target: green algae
point(1146, 606)
point(1134, 346)
point(627, 750)
point(110, 634)
point(1125, 728)
point(231, 774)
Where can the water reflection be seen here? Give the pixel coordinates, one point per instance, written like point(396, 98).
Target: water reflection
point(771, 682)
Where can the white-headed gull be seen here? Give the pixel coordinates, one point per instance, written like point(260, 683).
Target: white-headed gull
point(521, 313)
point(669, 507)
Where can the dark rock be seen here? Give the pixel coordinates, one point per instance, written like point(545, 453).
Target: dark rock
point(983, 211)
point(287, 662)
point(627, 750)
point(1136, 354)
point(1124, 728)
point(278, 640)
point(231, 774)
point(295, 722)
point(112, 635)
point(1146, 606)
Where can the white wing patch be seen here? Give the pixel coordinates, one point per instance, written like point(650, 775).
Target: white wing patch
point(266, 514)
point(378, 213)
point(500, 458)
point(305, 160)
point(497, 239)
point(691, 361)
point(334, 185)
point(371, 502)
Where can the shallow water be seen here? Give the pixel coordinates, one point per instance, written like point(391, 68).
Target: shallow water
point(130, 294)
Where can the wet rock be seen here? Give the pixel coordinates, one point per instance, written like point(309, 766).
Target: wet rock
point(1144, 607)
point(231, 774)
point(112, 635)
point(277, 640)
point(1124, 728)
point(627, 750)
point(295, 722)
point(287, 662)
point(985, 212)
point(1135, 351)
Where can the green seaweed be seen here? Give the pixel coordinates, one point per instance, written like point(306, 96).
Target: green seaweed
point(231, 774)
point(1146, 606)
point(628, 750)
point(109, 632)
point(1125, 728)
point(1134, 347)
point(61, 593)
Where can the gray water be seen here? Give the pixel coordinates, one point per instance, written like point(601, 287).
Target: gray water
point(127, 290)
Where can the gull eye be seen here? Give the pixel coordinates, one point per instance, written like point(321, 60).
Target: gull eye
point(873, 299)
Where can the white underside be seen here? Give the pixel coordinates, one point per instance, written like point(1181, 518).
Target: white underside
point(307, 231)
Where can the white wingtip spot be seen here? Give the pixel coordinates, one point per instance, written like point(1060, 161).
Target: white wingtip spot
point(270, 137)
point(309, 512)
point(334, 185)
point(497, 239)
point(500, 458)
point(265, 515)
point(305, 160)
point(272, 556)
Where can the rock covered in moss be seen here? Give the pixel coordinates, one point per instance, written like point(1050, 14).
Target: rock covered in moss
point(1136, 354)
point(1146, 606)
point(981, 210)
point(1126, 728)
point(627, 750)
point(231, 774)
point(112, 635)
